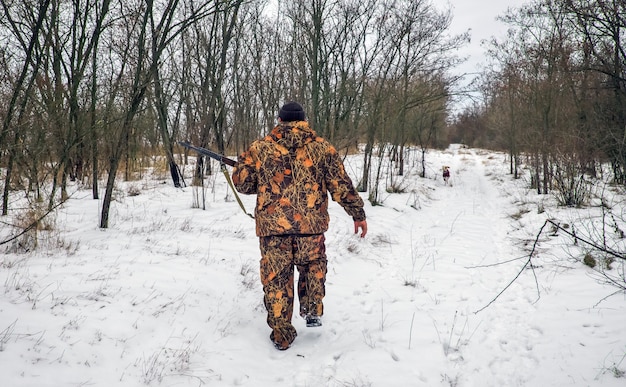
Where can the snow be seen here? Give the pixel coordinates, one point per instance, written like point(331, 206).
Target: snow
point(169, 294)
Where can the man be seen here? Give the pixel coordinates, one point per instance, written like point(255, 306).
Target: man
point(291, 170)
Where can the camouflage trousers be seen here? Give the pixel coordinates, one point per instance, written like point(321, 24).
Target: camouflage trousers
point(279, 255)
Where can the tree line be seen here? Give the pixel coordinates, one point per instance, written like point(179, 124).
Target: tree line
point(94, 90)
point(555, 95)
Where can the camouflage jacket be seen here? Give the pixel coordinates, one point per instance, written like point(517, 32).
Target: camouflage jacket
point(291, 170)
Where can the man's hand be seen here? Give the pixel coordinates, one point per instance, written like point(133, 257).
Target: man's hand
point(362, 224)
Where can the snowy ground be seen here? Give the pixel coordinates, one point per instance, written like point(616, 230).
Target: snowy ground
point(169, 295)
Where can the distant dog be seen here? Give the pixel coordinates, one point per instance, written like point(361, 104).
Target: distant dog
point(446, 174)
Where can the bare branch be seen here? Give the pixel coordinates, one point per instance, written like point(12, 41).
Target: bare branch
point(527, 264)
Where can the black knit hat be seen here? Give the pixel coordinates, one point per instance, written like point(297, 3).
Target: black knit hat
point(291, 111)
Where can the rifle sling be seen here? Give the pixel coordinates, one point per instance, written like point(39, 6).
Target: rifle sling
point(230, 183)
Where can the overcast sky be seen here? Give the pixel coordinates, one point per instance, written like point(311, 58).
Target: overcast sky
point(479, 17)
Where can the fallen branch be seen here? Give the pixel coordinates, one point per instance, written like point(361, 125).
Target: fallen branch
point(32, 225)
point(527, 264)
point(592, 244)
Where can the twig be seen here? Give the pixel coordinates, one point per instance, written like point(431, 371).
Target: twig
point(592, 244)
point(607, 297)
point(411, 330)
point(495, 264)
point(33, 224)
point(528, 262)
point(5, 335)
point(451, 332)
point(454, 221)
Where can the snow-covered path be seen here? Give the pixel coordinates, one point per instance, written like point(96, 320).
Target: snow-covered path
point(170, 295)
point(412, 293)
point(490, 344)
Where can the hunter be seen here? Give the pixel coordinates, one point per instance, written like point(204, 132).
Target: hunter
point(291, 171)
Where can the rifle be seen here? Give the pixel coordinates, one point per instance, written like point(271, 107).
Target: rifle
point(223, 162)
point(203, 151)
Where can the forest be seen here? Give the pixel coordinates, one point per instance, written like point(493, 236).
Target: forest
point(555, 96)
point(94, 91)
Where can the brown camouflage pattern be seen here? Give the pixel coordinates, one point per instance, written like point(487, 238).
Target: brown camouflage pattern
point(279, 256)
point(291, 170)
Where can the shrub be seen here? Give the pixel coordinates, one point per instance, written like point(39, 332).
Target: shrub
point(589, 260)
point(571, 188)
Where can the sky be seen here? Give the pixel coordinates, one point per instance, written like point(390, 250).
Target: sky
point(479, 18)
point(437, 293)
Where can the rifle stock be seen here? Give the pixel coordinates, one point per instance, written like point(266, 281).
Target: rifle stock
point(203, 151)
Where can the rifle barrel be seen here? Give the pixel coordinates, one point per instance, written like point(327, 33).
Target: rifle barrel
point(203, 151)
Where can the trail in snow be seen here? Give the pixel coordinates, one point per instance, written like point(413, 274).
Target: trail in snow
point(493, 342)
point(424, 296)
point(170, 295)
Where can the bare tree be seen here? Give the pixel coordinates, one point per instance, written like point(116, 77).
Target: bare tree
point(73, 41)
point(411, 70)
point(24, 82)
point(601, 25)
point(530, 89)
point(503, 96)
point(149, 72)
point(559, 90)
point(212, 59)
point(167, 29)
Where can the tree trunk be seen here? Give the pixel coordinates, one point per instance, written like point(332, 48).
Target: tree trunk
point(17, 89)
